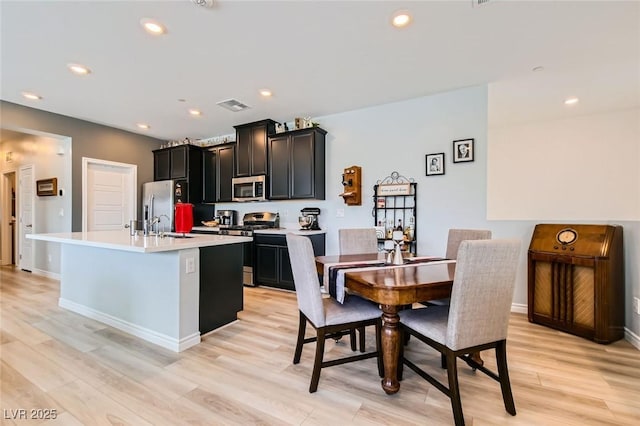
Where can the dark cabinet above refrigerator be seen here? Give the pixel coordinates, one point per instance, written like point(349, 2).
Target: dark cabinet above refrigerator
point(183, 163)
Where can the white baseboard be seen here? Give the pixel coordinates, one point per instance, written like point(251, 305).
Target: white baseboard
point(632, 338)
point(176, 345)
point(519, 308)
point(629, 335)
point(47, 274)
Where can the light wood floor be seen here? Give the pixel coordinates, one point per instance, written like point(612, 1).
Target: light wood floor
point(92, 374)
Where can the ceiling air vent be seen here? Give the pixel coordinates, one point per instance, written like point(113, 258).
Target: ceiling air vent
point(233, 105)
point(477, 3)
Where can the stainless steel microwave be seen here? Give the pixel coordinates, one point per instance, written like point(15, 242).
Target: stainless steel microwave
point(252, 188)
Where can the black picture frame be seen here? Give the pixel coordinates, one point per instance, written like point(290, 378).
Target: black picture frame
point(463, 150)
point(435, 164)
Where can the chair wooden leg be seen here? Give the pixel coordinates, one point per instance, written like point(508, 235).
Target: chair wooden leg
point(352, 339)
point(379, 349)
point(361, 331)
point(400, 368)
point(317, 363)
point(443, 361)
point(503, 373)
point(302, 326)
point(454, 390)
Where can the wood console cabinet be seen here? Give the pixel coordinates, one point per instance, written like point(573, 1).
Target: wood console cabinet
point(251, 147)
point(576, 280)
point(296, 164)
point(218, 168)
point(272, 265)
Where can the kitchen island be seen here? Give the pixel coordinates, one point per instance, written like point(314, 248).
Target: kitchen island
point(168, 291)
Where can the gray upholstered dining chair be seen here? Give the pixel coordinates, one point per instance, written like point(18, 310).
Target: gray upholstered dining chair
point(357, 241)
point(454, 238)
point(328, 317)
point(476, 319)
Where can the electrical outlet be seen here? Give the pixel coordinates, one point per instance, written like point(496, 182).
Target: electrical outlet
point(190, 266)
point(340, 213)
point(636, 305)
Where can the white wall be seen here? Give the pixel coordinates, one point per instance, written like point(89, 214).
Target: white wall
point(578, 168)
point(396, 137)
point(51, 157)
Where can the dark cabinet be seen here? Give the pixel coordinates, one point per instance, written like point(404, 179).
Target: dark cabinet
point(297, 164)
point(221, 290)
point(161, 165)
point(272, 265)
point(218, 166)
point(182, 163)
point(251, 147)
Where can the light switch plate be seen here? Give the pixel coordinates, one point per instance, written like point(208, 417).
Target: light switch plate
point(190, 265)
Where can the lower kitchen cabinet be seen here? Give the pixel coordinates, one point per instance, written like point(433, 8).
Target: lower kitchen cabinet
point(272, 266)
point(221, 290)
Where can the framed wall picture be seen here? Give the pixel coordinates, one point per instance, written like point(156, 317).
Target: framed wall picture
point(46, 187)
point(463, 150)
point(435, 164)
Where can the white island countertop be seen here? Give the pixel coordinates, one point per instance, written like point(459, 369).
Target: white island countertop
point(121, 240)
point(277, 231)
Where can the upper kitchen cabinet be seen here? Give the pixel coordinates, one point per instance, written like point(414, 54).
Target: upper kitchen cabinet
point(296, 164)
point(218, 166)
point(251, 147)
point(176, 162)
point(183, 162)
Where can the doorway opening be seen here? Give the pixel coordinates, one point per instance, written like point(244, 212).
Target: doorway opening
point(8, 229)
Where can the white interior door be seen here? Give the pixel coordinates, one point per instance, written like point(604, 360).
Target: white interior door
point(26, 214)
point(108, 193)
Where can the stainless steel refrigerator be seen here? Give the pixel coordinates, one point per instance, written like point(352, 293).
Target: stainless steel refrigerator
point(158, 199)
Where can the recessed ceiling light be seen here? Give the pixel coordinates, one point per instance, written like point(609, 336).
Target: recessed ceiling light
point(153, 27)
point(401, 19)
point(78, 69)
point(571, 101)
point(31, 96)
point(143, 126)
point(265, 93)
point(195, 112)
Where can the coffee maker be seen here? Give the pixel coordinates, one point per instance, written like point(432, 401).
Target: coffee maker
point(309, 218)
point(227, 218)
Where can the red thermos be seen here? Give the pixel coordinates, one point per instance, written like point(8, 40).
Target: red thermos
point(184, 217)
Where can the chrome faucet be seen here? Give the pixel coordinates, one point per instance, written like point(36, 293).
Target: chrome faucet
point(157, 221)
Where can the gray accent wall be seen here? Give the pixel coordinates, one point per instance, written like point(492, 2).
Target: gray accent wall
point(88, 140)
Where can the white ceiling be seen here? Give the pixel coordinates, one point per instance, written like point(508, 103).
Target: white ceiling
point(318, 58)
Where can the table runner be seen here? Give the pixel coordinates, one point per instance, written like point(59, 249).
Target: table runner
point(336, 279)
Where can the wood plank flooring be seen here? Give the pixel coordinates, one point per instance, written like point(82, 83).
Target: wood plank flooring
point(92, 374)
